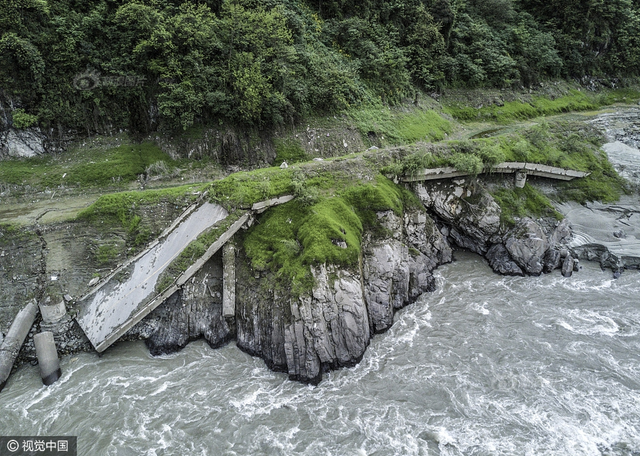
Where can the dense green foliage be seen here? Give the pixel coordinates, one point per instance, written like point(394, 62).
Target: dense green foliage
point(104, 65)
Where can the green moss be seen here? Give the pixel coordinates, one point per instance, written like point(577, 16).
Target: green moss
point(289, 150)
point(289, 239)
point(15, 233)
point(422, 126)
point(368, 199)
point(246, 188)
point(106, 254)
point(114, 167)
point(518, 110)
point(381, 125)
point(523, 202)
point(118, 207)
point(602, 184)
point(625, 95)
point(569, 145)
point(121, 210)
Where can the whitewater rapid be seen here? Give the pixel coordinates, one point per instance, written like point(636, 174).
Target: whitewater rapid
point(485, 365)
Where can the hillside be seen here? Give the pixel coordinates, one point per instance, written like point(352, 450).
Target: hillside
point(103, 66)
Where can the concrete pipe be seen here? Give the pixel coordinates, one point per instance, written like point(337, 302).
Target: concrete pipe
point(14, 340)
point(47, 357)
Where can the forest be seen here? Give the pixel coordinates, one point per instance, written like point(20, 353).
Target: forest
point(145, 65)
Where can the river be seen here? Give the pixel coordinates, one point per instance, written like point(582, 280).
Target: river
point(485, 365)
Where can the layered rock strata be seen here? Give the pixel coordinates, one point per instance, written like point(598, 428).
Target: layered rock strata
point(332, 326)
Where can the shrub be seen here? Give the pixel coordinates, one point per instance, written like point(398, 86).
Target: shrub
point(22, 120)
point(467, 163)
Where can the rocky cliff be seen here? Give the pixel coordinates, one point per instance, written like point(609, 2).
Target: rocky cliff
point(332, 326)
point(470, 218)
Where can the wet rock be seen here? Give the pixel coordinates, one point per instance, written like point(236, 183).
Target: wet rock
point(473, 216)
point(567, 266)
point(552, 260)
point(191, 313)
point(620, 234)
point(501, 262)
point(527, 244)
point(331, 326)
point(423, 234)
point(386, 273)
point(329, 329)
point(562, 234)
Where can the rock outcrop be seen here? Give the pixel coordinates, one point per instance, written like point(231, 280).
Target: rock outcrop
point(470, 218)
point(331, 326)
point(191, 313)
point(22, 143)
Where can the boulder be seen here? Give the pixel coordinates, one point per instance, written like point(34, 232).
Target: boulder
point(501, 262)
point(551, 260)
point(567, 266)
point(527, 244)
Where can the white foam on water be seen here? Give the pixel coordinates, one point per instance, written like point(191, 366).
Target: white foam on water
point(502, 366)
point(588, 322)
point(481, 308)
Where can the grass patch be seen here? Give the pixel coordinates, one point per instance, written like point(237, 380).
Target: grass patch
point(563, 144)
point(381, 125)
point(289, 239)
point(523, 202)
point(95, 168)
point(122, 209)
point(603, 184)
point(106, 254)
point(15, 233)
point(292, 237)
point(289, 150)
point(538, 106)
point(241, 190)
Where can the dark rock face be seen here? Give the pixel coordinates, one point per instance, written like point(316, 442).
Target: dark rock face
point(567, 266)
point(501, 262)
point(394, 276)
point(332, 326)
point(551, 260)
point(470, 217)
point(191, 313)
point(527, 245)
